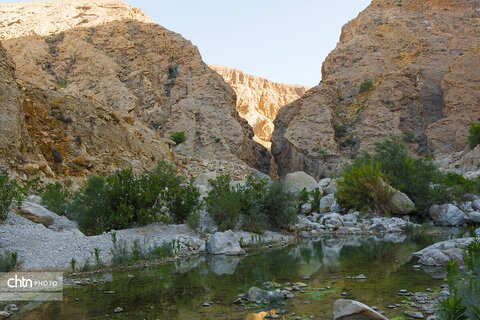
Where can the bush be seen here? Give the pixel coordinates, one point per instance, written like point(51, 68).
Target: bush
point(366, 85)
point(473, 135)
point(8, 261)
point(261, 207)
point(178, 137)
point(279, 206)
point(124, 199)
point(223, 204)
point(412, 176)
point(464, 286)
point(363, 187)
point(55, 197)
point(182, 201)
point(10, 193)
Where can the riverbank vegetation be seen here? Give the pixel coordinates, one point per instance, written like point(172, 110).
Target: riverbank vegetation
point(362, 185)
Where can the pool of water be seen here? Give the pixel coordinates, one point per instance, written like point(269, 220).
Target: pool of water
point(179, 290)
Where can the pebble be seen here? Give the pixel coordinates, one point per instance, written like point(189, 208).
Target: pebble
point(360, 277)
point(118, 310)
point(413, 314)
point(206, 304)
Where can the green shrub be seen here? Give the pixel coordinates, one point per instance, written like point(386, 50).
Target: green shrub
point(363, 187)
point(340, 129)
point(8, 261)
point(182, 201)
point(279, 206)
point(464, 286)
point(473, 135)
point(55, 197)
point(10, 193)
point(316, 197)
point(123, 255)
point(366, 85)
point(223, 204)
point(178, 137)
point(124, 199)
point(413, 176)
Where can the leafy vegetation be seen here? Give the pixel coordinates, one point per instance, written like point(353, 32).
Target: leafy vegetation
point(55, 197)
point(473, 135)
point(418, 178)
point(178, 137)
point(10, 193)
point(366, 85)
point(123, 199)
point(260, 206)
point(363, 187)
point(464, 287)
point(8, 261)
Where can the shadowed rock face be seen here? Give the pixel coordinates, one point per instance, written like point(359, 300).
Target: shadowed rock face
point(114, 54)
point(258, 100)
point(56, 134)
point(423, 60)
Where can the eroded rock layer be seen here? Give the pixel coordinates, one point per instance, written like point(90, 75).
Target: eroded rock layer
point(259, 99)
point(112, 53)
point(423, 60)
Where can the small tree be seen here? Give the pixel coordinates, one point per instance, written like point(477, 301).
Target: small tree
point(366, 85)
point(178, 137)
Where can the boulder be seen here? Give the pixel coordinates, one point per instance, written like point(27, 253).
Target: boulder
point(332, 221)
point(476, 205)
point(324, 182)
point(4, 314)
point(440, 253)
point(354, 310)
point(331, 188)
point(306, 208)
point(402, 204)
point(34, 199)
point(266, 296)
point(296, 181)
point(224, 243)
point(328, 204)
point(474, 216)
point(36, 213)
point(62, 223)
point(447, 215)
point(478, 232)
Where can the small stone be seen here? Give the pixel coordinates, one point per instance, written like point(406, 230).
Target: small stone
point(360, 277)
point(237, 301)
point(118, 310)
point(206, 304)
point(413, 314)
point(403, 291)
point(130, 276)
point(344, 294)
point(109, 292)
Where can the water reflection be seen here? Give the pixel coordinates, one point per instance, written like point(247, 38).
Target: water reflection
point(179, 290)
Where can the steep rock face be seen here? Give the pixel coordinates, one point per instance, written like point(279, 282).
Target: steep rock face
point(59, 134)
point(115, 54)
point(422, 58)
point(259, 99)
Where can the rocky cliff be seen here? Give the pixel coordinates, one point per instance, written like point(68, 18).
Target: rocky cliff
point(259, 99)
point(51, 133)
point(419, 65)
point(112, 55)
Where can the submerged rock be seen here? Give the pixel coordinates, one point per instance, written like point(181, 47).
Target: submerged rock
point(224, 243)
point(447, 215)
point(354, 310)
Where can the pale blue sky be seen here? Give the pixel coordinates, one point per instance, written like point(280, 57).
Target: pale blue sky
point(281, 40)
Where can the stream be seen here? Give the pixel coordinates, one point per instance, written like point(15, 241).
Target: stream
point(179, 290)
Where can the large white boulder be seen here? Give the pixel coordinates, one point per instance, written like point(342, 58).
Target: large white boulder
point(440, 253)
point(224, 243)
point(447, 215)
point(344, 309)
point(331, 188)
point(296, 181)
point(36, 213)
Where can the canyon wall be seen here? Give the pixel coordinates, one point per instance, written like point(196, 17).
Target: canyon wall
point(419, 64)
point(259, 99)
point(112, 55)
